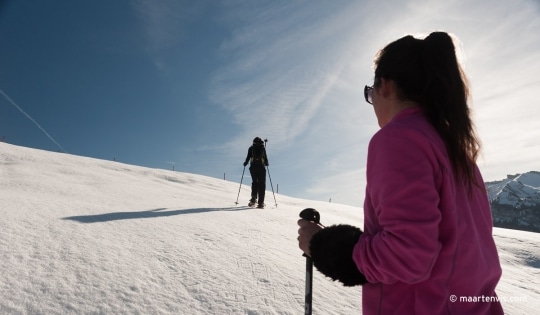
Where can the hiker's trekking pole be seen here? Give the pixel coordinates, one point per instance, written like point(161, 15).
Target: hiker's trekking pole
point(270, 177)
point(314, 216)
point(240, 185)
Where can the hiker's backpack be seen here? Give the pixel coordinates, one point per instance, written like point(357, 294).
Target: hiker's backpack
point(257, 154)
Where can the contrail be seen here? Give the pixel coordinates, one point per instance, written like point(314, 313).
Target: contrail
point(35, 122)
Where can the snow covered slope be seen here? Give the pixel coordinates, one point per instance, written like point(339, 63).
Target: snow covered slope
point(86, 236)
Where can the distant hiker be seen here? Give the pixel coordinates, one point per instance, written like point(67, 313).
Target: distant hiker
point(427, 240)
point(257, 157)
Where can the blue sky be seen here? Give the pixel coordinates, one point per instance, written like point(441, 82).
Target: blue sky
point(191, 83)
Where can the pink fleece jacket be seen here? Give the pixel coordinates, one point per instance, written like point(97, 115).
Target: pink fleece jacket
point(427, 246)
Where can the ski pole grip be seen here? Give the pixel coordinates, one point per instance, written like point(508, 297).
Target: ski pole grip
point(310, 214)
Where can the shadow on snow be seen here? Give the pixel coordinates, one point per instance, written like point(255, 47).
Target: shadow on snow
point(155, 213)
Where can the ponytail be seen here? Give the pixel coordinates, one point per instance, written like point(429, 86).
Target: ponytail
point(428, 73)
point(445, 97)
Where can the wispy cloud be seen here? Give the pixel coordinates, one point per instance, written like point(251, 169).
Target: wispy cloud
point(503, 63)
point(280, 66)
point(165, 23)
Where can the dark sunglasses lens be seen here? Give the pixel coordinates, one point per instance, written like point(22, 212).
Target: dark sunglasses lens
point(368, 91)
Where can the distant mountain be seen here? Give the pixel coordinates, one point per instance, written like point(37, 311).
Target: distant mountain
point(515, 201)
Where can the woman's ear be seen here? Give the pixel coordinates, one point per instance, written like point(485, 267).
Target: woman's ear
point(386, 87)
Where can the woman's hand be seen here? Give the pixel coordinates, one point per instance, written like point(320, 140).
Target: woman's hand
point(305, 233)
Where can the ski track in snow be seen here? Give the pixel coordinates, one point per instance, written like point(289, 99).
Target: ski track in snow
point(87, 236)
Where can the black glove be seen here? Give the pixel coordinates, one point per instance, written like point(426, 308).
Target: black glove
point(266, 164)
point(331, 250)
point(245, 163)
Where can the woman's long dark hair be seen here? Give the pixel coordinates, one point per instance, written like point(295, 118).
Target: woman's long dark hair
point(427, 72)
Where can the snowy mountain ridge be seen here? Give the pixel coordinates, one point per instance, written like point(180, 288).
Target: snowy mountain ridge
point(515, 201)
point(516, 190)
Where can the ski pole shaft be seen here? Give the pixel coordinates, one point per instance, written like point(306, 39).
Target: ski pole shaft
point(309, 286)
point(313, 215)
point(240, 185)
point(270, 177)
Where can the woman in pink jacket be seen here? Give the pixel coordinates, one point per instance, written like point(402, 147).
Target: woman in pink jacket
point(427, 245)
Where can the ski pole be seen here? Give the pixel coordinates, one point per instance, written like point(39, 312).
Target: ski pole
point(240, 185)
point(313, 215)
point(309, 286)
point(270, 177)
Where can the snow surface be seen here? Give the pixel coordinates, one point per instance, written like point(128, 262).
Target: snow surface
point(87, 236)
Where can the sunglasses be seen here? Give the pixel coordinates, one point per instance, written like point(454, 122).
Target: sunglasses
point(368, 94)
